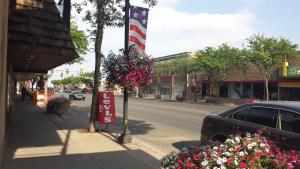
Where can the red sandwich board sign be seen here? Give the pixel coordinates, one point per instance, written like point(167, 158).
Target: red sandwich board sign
point(107, 114)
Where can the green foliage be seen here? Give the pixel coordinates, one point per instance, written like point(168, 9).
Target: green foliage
point(80, 42)
point(106, 13)
point(159, 68)
point(74, 81)
point(217, 62)
point(266, 53)
point(182, 64)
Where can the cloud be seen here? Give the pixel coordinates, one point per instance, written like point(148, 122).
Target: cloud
point(168, 3)
point(171, 31)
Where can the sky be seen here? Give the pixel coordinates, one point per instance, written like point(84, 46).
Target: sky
point(176, 26)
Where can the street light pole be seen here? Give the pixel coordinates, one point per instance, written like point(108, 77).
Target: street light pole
point(124, 137)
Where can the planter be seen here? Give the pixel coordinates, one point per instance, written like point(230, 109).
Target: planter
point(179, 98)
point(58, 106)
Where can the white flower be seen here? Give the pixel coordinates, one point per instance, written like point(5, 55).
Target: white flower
point(249, 146)
point(231, 149)
point(215, 148)
point(223, 167)
point(248, 135)
point(224, 160)
point(267, 150)
point(227, 153)
point(219, 161)
point(262, 145)
point(235, 162)
point(254, 144)
point(216, 168)
point(237, 139)
point(241, 153)
point(204, 163)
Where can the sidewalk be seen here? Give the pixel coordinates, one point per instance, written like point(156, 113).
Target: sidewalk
point(41, 141)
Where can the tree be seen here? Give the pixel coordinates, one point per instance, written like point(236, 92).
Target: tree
point(217, 62)
point(107, 13)
point(267, 53)
point(159, 68)
point(181, 65)
point(80, 42)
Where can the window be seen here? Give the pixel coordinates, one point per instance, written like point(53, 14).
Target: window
point(263, 116)
point(240, 115)
point(290, 121)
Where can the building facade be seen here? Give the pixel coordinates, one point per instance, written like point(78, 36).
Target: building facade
point(238, 84)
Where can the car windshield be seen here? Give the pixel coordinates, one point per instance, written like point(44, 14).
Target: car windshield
point(77, 93)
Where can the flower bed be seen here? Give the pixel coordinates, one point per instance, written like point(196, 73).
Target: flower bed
point(251, 151)
point(58, 105)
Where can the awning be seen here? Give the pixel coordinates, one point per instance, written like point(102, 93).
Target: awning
point(289, 84)
point(38, 39)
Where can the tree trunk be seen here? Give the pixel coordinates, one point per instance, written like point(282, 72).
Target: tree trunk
point(267, 89)
point(98, 57)
point(172, 77)
point(158, 86)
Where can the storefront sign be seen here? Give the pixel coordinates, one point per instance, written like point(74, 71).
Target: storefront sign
point(293, 71)
point(107, 114)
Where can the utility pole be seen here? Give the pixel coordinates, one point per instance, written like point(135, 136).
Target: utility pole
point(124, 137)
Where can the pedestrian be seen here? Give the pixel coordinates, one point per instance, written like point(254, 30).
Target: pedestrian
point(24, 92)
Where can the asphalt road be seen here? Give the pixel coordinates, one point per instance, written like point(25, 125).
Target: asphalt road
point(160, 125)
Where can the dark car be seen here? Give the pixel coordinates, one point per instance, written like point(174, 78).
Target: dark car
point(77, 96)
point(280, 119)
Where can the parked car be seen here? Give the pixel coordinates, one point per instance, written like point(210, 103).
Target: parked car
point(77, 96)
point(280, 119)
point(67, 90)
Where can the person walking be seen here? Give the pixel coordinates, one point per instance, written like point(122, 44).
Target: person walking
point(24, 92)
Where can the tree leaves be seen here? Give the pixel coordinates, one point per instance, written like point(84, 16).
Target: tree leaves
point(80, 42)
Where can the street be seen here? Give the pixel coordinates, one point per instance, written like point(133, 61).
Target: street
point(160, 125)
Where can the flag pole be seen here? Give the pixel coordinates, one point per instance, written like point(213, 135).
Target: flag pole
point(125, 137)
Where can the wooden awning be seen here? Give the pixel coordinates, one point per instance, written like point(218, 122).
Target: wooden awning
point(38, 39)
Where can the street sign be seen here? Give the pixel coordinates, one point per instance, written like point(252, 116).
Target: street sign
point(106, 112)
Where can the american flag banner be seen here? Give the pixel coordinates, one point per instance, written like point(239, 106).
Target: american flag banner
point(138, 27)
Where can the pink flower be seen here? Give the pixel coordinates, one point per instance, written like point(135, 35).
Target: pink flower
point(229, 161)
point(257, 155)
point(189, 164)
point(243, 165)
point(219, 154)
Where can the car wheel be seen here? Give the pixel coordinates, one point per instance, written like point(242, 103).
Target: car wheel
point(219, 138)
